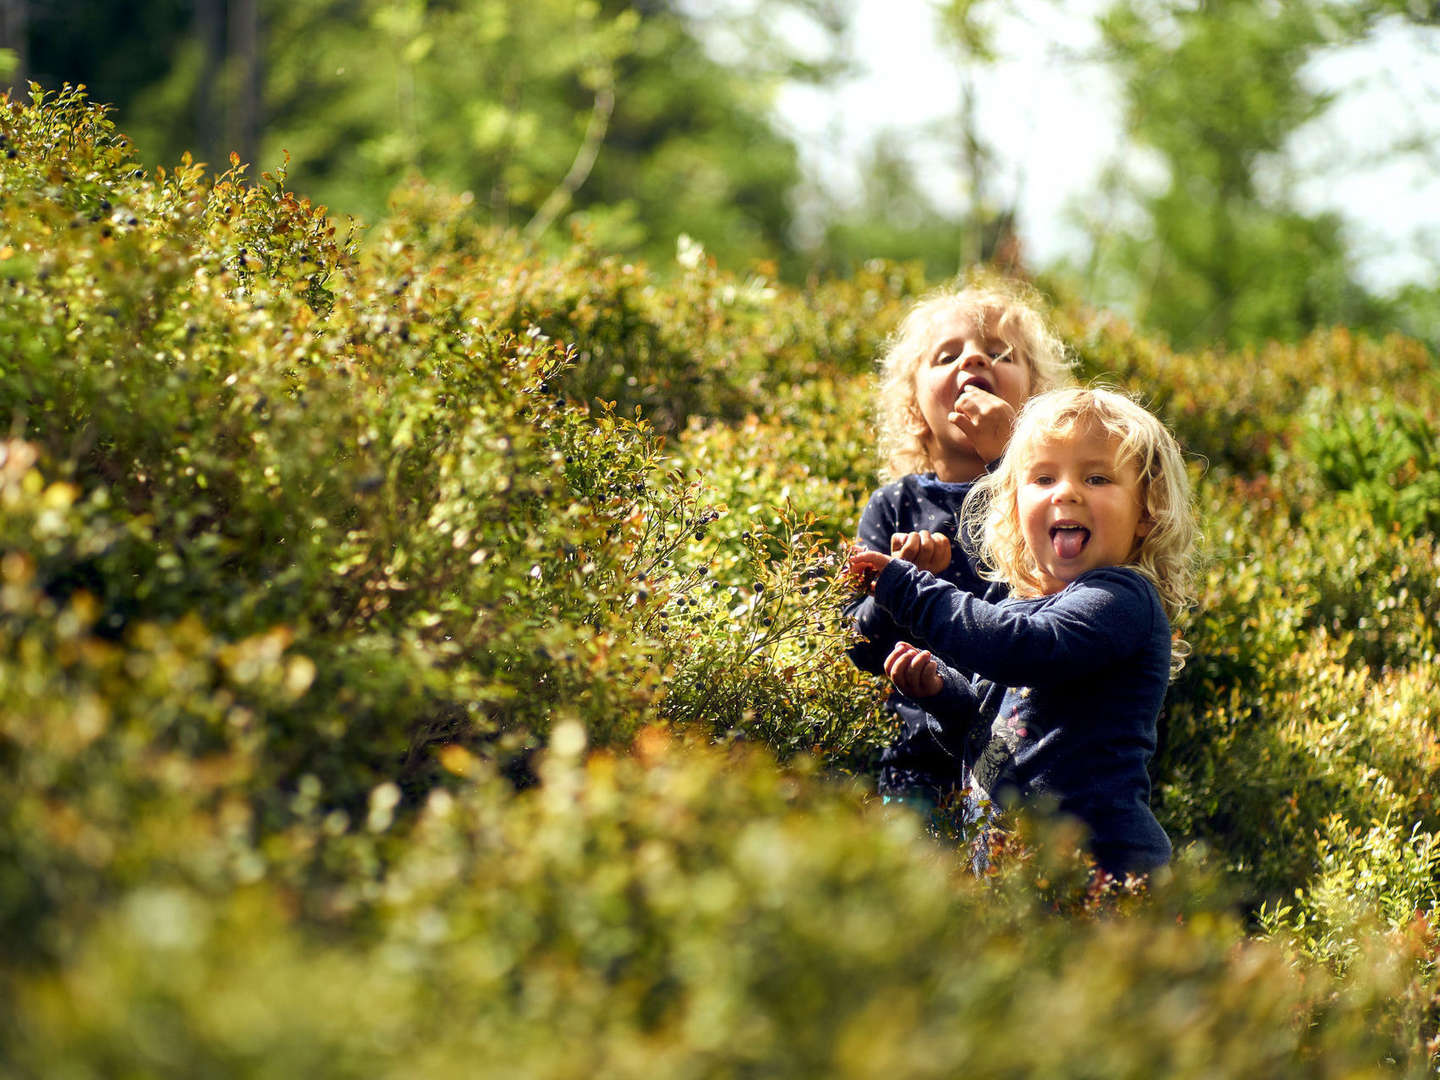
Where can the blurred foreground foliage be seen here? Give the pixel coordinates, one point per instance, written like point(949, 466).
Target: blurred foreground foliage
point(417, 654)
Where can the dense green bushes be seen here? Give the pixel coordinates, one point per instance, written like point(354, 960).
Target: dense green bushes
point(685, 912)
point(371, 606)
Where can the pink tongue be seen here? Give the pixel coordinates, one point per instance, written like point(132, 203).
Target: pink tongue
point(1068, 542)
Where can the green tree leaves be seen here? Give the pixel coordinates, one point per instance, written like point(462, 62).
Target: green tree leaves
point(1222, 251)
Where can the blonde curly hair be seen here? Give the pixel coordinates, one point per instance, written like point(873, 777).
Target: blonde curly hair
point(1007, 309)
point(1166, 555)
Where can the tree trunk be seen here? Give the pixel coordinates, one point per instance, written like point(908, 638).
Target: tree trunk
point(245, 81)
point(210, 30)
point(13, 36)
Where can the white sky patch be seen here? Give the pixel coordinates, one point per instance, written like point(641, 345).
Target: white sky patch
point(1055, 118)
point(1374, 156)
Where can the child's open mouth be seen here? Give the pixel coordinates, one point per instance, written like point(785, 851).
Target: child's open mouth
point(977, 384)
point(1069, 540)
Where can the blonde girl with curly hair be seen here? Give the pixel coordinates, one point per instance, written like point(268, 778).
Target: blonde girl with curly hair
point(952, 377)
point(1090, 522)
point(954, 374)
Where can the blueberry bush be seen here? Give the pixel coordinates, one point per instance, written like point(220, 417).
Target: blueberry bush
point(422, 656)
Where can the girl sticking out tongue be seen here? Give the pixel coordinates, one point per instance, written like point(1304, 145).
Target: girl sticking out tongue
point(1088, 520)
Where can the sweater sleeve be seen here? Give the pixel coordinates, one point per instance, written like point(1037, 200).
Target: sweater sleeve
point(877, 522)
point(1103, 616)
point(957, 706)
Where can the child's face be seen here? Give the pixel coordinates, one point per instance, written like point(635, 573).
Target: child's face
point(963, 359)
point(1080, 507)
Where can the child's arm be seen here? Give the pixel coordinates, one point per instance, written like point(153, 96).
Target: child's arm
point(1105, 617)
point(878, 523)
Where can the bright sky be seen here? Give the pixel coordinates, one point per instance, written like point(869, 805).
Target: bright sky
point(1059, 117)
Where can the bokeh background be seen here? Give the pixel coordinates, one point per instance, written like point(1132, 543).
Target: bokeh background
point(1219, 171)
point(431, 431)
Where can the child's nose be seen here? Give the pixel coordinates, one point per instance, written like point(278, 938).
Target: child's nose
point(1065, 491)
point(973, 357)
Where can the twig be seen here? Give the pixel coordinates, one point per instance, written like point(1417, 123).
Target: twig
point(580, 168)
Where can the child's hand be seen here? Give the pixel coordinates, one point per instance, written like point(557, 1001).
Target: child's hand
point(927, 550)
point(985, 418)
point(864, 567)
point(913, 671)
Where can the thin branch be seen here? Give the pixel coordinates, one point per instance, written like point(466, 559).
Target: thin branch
point(556, 202)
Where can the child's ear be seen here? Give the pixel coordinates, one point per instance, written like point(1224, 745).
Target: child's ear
point(1144, 527)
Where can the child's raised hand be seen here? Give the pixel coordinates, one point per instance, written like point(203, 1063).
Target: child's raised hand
point(864, 567)
point(927, 550)
point(913, 671)
point(985, 418)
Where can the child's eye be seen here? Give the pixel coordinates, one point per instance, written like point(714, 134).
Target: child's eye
point(1005, 355)
point(1043, 479)
point(1097, 479)
point(942, 358)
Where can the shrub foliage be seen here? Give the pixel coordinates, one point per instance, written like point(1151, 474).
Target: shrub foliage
point(419, 652)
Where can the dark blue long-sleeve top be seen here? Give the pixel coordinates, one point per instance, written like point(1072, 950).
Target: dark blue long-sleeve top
point(1065, 699)
point(921, 758)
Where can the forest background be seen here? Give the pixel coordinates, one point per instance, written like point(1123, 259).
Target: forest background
point(639, 122)
point(418, 618)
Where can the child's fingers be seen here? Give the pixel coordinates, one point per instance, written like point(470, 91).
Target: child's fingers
point(925, 549)
point(976, 406)
point(965, 422)
point(938, 557)
point(927, 679)
point(932, 551)
point(864, 565)
point(909, 547)
point(865, 559)
point(971, 404)
point(924, 545)
point(985, 419)
point(903, 660)
point(899, 659)
point(913, 671)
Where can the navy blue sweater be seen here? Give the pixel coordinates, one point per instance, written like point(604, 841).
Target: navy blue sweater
point(1064, 704)
point(922, 758)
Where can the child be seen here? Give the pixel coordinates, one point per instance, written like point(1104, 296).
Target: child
point(1089, 521)
point(952, 378)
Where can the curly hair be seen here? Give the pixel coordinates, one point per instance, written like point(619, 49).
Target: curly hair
point(1166, 555)
point(1007, 309)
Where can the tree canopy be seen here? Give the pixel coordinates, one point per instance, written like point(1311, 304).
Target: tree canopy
point(642, 122)
point(612, 116)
